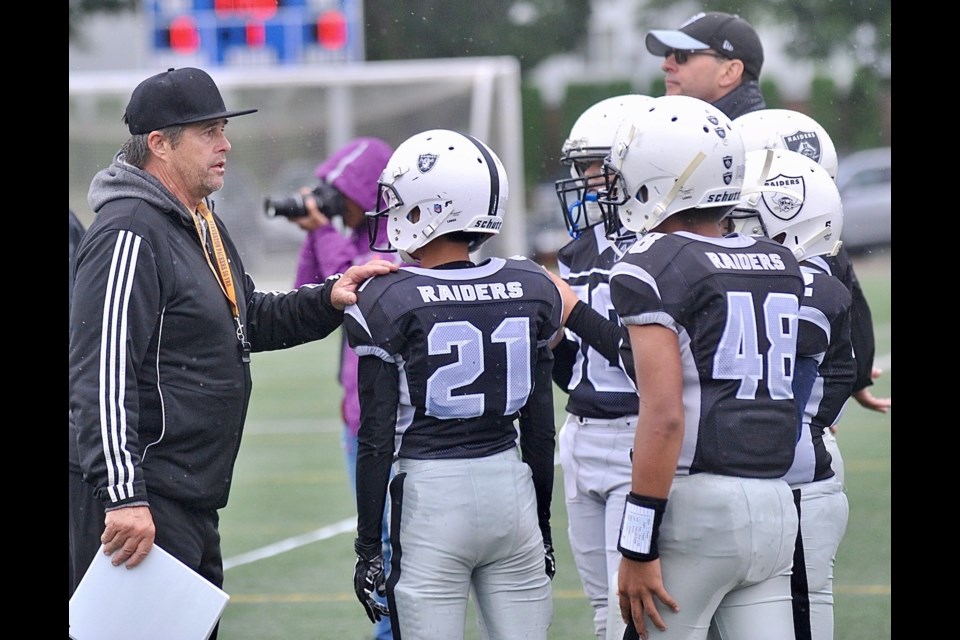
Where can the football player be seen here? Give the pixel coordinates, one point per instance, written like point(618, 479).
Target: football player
point(709, 525)
point(455, 373)
point(795, 131)
point(797, 204)
point(602, 403)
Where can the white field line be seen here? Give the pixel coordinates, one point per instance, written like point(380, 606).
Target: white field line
point(350, 524)
point(275, 549)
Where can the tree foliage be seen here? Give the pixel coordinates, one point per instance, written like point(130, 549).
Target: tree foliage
point(528, 29)
point(860, 28)
point(82, 9)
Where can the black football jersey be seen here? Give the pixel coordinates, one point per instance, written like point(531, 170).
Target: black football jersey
point(597, 386)
point(825, 370)
point(861, 318)
point(464, 343)
point(734, 303)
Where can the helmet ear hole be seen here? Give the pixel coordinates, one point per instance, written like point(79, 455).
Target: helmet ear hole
point(413, 216)
point(643, 194)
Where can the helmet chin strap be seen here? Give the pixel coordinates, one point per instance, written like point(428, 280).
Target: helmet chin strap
point(669, 197)
point(433, 226)
point(755, 191)
point(428, 231)
point(800, 252)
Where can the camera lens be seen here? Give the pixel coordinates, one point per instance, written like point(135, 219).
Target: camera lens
point(289, 207)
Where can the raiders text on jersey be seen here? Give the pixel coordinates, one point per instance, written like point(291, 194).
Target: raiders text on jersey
point(470, 292)
point(746, 261)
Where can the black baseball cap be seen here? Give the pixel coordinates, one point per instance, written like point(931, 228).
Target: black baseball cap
point(725, 33)
point(176, 96)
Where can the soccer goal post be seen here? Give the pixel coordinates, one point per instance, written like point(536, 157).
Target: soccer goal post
point(305, 114)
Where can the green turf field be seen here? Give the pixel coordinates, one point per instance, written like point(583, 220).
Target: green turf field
point(288, 539)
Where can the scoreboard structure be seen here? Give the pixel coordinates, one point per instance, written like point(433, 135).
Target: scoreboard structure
point(257, 32)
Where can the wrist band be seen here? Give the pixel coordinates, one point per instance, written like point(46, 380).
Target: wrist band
point(640, 527)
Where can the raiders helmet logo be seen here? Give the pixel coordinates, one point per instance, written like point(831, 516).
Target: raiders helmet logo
point(426, 161)
point(783, 205)
point(805, 143)
point(727, 162)
point(727, 177)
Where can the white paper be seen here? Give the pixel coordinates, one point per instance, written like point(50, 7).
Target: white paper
point(159, 599)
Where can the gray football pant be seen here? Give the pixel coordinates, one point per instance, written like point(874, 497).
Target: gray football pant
point(468, 524)
point(726, 552)
point(824, 511)
point(595, 456)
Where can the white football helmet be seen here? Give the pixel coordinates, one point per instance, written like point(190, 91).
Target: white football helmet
point(791, 130)
point(791, 199)
point(438, 182)
point(589, 143)
point(678, 153)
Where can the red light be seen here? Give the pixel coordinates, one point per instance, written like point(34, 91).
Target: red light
point(332, 30)
point(259, 9)
point(256, 34)
point(184, 37)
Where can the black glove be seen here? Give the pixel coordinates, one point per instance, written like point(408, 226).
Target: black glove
point(549, 560)
point(368, 577)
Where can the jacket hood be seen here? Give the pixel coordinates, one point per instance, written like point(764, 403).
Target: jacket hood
point(355, 168)
point(123, 180)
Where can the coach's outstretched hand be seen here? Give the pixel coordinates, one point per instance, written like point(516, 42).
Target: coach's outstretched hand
point(867, 399)
point(368, 578)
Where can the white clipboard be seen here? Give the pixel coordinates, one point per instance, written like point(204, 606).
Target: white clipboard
point(159, 599)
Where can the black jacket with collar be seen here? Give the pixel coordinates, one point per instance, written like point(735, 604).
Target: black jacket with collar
point(744, 99)
point(159, 384)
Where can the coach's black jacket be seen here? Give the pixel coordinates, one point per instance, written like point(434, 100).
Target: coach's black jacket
point(159, 384)
point(746, 97)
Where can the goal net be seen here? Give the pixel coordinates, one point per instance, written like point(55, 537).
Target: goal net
point(305, 114)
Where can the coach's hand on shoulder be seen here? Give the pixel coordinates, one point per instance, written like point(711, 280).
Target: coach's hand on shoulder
point(368, 577)
point(344, 291)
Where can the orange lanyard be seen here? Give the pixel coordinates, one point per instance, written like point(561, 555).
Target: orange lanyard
point(222, 271)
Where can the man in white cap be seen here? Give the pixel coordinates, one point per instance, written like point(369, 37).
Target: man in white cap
point(713, 56)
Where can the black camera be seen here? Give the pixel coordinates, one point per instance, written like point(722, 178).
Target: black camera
point(329, 201)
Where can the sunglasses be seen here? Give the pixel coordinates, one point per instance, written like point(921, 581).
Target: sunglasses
point(683, 55)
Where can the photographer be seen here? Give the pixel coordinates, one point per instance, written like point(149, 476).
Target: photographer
point(352, 172)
